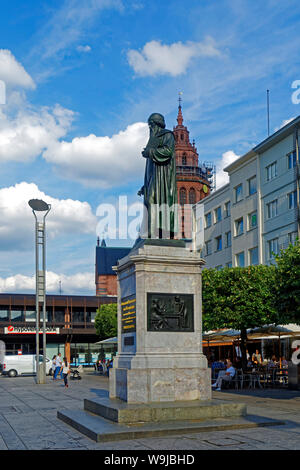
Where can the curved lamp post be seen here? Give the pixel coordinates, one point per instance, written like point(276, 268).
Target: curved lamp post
point(39, 206)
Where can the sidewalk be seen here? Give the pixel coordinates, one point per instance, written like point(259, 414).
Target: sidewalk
point(28, 419)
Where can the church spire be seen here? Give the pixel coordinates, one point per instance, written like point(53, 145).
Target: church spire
point(179, 116)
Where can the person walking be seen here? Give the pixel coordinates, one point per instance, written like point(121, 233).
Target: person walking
point(53, 366)
point(65, 370)
point(58, 369)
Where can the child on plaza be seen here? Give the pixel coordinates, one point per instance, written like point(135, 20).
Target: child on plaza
point(65, 369)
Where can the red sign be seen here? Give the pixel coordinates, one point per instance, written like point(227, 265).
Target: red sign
point(29, 330)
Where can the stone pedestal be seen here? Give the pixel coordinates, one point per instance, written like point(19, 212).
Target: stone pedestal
point(160, 356)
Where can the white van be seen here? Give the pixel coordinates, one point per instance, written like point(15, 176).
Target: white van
point(23, 364)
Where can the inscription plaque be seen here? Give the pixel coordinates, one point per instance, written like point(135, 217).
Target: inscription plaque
point(128, 314)
point(170, 312)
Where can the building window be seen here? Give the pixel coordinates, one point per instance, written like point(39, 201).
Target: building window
point(182, 196)
point(4, 314)
point(273, 248)
point(229, 265)
point(192, 196)
point(252, 185)
point(218, 214)
point(271, 171)
point(218, 268)
point(228, 239)
point(30, 315)
point(238, 193)
point(17, 314)
point(240, 259)
point(291, 160)
point(239, 227)
point(272, 209)
point(292, 237)
point(208, 220)
point(252, 220)
point(219, 243)
point(227, 209)
point(292, 198)
point(253, 256)
point(208, 247)
point(184, 160)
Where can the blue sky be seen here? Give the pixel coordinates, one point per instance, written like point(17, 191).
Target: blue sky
point(81, 79)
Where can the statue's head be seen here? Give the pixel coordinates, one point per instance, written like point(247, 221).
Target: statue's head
point(157, 119)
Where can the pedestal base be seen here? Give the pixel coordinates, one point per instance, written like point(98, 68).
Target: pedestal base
point(160, 385)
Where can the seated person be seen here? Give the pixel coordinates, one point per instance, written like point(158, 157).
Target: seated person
point(284, 362)
point(226, 375)
point(273, 362)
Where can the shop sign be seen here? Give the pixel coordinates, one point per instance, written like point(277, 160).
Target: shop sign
point(29, 330)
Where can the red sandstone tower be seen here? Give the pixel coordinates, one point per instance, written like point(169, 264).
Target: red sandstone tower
point(193, 182)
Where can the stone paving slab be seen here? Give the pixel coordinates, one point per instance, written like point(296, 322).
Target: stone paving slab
point(38, 405)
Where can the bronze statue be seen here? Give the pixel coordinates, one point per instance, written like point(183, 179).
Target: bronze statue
point(159, 190)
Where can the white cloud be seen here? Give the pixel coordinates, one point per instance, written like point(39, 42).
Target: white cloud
point(17, 222)
point(222, 177)
point(157, 58)
point(84, 48)
point(25, 135)
point(284, 123)
point(73, 284)
point(102, 161)
point(12, 72)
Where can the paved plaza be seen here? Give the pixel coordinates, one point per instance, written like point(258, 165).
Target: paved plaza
point(28, 419)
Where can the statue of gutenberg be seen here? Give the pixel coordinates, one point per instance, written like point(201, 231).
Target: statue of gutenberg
point(159, 190)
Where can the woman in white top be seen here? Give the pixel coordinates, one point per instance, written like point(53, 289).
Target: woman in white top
point(65, 368)
point(53, 366)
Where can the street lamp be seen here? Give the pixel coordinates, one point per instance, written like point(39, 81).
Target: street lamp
point(37, 205)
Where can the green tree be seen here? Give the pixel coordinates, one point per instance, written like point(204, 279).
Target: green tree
point(106, 321)
point(239, 298)
point(287, 287)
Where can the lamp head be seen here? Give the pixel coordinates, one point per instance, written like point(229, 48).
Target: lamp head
point(38, 205)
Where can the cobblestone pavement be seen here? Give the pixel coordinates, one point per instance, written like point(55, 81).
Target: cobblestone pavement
point(28, 419)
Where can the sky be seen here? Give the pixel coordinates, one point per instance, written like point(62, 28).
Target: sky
point(78, 80)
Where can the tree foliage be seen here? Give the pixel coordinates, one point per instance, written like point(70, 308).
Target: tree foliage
point(287, 287)
point(106, 321)
point(238, 297)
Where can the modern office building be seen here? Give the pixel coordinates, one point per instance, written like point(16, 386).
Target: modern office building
point(248, 221)
point(70, 326)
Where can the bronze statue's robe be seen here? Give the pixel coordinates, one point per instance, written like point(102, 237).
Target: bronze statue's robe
point(160, 191)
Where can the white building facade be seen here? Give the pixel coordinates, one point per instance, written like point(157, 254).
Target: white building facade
point(248, 221)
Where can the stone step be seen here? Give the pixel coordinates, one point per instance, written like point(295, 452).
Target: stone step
point(122, 412)
point(102, 430)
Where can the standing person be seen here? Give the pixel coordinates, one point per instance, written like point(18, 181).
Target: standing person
point(65, 370)
point(58, 365)
point(258, 356)
point(53, 366)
